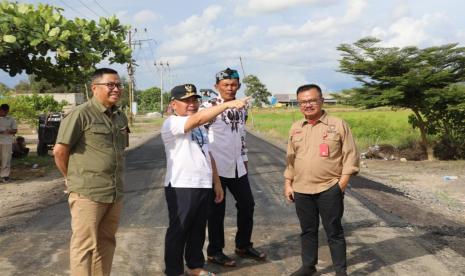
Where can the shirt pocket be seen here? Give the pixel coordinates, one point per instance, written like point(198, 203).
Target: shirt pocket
point(100, 135)
point(298, 143)
point(334, 143)
point(123, 141)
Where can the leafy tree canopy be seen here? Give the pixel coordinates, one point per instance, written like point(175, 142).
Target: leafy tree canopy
point(257, 90)
point(148, 100)
point(34, 85)
point(41, 41)
point(409, 77)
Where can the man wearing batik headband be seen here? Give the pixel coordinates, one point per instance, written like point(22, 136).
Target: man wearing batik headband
point(226, 135)
point(188, 182)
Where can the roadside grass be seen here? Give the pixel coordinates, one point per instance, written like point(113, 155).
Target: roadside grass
point(32, 166)
point(369, 127)
point(141, 124)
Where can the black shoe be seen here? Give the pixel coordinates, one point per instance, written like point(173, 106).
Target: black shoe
point(221, 259)
point(250, 252)
point(304, 271)
point(341, 273)
point(5, 179)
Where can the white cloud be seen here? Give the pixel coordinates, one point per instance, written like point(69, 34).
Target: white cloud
point(408, 31)
point(276, 83)
point(196, 22)
point(198, 35)
point(251, 31)
point(326, 26)
point(145, 16)
point(400, 9)
point(254, 7)
point(355, 10)
point(174, 60)
point(310, 27)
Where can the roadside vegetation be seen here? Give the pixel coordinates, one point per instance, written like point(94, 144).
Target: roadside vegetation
point(370, 127)
point(141, 124)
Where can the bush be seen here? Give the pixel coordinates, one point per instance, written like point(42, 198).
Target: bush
point(27, 108)
point(449, 149)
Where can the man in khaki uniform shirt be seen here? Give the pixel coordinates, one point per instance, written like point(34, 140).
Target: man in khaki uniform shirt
point(7, 131)
point(321, 157)
point(89, 152)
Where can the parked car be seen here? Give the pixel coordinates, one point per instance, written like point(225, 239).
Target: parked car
point(48, 131)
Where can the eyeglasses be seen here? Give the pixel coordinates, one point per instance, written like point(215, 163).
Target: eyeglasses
point(112, 85)
point(309, 102)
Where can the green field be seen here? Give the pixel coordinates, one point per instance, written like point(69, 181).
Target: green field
point(380, 126)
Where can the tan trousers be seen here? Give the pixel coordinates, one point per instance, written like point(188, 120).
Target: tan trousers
point(5, 153)
point(93, 241)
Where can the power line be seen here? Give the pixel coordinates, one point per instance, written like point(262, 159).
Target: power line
point(76, 11)
point(98, 4)
point(87, 7)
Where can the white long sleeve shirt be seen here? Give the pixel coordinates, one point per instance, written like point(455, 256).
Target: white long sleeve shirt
point(226, 138)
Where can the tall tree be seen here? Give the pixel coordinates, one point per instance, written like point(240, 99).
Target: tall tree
point(406, 77)
point(41, 41)
point(4, 89)
point(148, 100)
point(34, 85)
point(256, 90)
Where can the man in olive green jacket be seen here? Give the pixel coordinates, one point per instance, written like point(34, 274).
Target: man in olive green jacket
point(89, 152)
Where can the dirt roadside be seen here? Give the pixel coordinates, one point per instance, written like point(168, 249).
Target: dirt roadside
point(22, 198)
point(434, 187)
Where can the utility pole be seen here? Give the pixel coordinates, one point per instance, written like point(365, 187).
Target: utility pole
point(250, 109)
point(162, 68)
point(132, 43)
point(131, 77)
point(243, 72)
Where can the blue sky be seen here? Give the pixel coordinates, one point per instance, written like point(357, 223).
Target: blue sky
point(286, 43)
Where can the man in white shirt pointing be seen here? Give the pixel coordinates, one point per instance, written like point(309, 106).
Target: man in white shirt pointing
point(188, 182)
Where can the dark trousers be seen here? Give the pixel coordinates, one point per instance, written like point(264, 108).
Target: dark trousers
point(330, 206)
point(188, 210)
point(240, 189)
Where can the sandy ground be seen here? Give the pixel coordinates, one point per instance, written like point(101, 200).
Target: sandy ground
point(424, 182)
point(25, 195)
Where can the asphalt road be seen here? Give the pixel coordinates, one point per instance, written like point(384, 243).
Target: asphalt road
point(379, 243)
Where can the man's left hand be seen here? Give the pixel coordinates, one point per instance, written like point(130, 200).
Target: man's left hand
point(219, 193)
point(343, 182)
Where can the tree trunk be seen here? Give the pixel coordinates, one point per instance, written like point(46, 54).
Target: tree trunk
point(424, 141)
point(87, 91)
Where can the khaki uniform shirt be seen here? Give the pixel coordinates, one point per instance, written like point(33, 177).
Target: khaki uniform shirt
point(97, 138)
point(309, 170)
point(7, 123)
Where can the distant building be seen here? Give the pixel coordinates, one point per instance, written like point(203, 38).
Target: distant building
point(291, 99)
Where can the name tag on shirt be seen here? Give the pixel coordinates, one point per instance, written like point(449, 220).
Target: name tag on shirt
point(324, 150)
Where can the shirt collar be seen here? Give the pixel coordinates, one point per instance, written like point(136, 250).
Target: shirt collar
point(323, 118)
point(103, 108)
point(219, 99)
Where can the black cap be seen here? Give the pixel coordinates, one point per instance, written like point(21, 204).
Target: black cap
point(227, 73)
point(184, 91)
